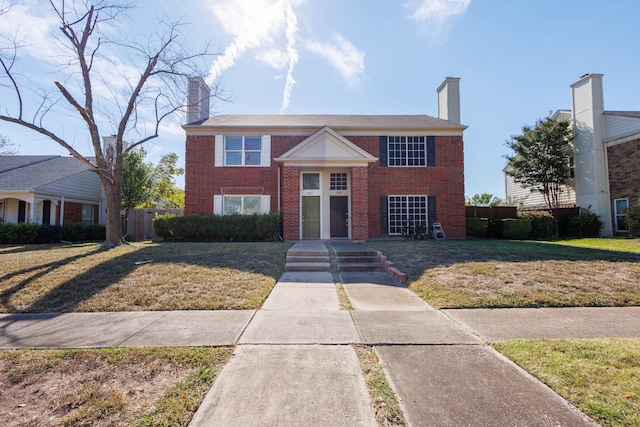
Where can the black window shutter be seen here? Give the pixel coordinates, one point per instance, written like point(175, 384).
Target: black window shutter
point(431, 210)
point(383, 151)
point(431, 150)
point(384, 215)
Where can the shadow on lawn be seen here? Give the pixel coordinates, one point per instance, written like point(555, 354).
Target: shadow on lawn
point(430, 253)
point(68, 295)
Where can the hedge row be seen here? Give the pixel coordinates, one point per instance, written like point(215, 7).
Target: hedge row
point(218, 227)
point(533, 225)
point(27, 233)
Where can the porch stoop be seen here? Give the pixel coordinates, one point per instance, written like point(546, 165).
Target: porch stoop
point(308, 256)
point(352, 256)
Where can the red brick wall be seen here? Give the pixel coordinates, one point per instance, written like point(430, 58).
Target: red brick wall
point(445, 181)
point(359, 203)
point(624, 173)
point(291, 202)
point(73, 213)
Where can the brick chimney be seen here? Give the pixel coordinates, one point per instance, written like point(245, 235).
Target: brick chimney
point(198, 100)
point(449, 99)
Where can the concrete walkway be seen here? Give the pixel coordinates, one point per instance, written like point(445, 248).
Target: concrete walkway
point(294, 363)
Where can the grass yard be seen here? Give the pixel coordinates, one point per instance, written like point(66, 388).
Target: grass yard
point(140, 276)
point(599, 376)
point(501, 273)
point(106, 387)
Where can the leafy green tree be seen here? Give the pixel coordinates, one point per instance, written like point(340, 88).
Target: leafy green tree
point(164, 190)
point(147, 186)
point(485, 199)
point(541, 158)
point(136, 179)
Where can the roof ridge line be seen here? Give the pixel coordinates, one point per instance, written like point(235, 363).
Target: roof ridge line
point(30, 164)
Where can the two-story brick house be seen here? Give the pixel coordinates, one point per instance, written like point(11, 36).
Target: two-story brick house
point(330, 176)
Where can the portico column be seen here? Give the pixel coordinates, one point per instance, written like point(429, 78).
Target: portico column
point(359, 203)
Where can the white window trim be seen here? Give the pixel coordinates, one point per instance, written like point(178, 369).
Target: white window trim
point(93, 210)
point(218, 202)
point(617, 214)
point(404, 220)
point(219, 153)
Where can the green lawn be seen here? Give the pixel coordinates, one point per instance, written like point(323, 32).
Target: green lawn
point(501, 273)
point(599, 376)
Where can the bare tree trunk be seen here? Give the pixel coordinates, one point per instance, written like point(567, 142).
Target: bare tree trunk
point(113, 223)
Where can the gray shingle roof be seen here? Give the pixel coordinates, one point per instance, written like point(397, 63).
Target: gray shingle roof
point(624, 113)
point(337, 122)
point(32, 172)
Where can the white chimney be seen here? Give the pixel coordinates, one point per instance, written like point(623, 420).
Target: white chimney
point(198, 100)
point(449, 99)
point(590, 157)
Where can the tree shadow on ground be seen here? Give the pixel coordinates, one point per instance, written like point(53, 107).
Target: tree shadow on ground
point(67, 296)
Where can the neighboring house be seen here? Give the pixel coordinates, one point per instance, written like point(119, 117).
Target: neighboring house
point(606, 155)
point(517, 195)
point(330, 176)
point(49, 190)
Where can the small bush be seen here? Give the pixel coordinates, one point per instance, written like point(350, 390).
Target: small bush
point(586, 224)
point(633, 220)
point(541, 223)
point(216, 227)
point(73, 232)
point(513, 229)
point(48, 234)
point(22, 232)
point(477, 227)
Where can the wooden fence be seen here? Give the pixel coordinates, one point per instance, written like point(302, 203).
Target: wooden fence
point(492, 212)
point(137, 224)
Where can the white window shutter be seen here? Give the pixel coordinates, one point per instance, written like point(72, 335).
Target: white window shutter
point(265, 204)
point(266, 150)
point(219, 150)
point(217, 204)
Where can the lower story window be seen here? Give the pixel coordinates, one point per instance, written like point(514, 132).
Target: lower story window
point(620, 208)
point(87, 214)
point(403, 209)
point(239, 204)
point(243, 205)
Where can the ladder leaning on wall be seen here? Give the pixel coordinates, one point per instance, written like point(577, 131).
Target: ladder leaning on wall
point(438, 231)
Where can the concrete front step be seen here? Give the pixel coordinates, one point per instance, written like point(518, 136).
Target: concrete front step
point(358, 259)
point(307, 266)
point(305, 258)
point(360, 266)
point(307, 253)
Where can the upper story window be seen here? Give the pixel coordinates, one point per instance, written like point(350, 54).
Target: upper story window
point(242, 150)
point(250, 151)
point(407, 151)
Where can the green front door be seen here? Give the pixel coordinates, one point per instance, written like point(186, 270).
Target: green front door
point(310, 217)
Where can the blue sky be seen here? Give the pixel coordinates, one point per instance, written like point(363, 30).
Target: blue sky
point(516, 60)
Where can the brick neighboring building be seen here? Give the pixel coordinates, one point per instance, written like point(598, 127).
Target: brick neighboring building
point(330, 176)
point(606, 157)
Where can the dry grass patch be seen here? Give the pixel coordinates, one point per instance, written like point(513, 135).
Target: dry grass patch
point(599, 376)
point(141, 276)
point(491, 273)
point(106, 387)
point(383, 398)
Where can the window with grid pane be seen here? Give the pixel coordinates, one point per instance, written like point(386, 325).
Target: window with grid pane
point(242, 205)
point(338, 181)
point(403, 209)
point(242, 150)
point(407, 151)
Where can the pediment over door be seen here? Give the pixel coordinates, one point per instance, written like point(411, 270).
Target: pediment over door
point(326, 148)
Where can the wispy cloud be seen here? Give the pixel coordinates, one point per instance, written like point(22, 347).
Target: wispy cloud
point(342, 55)
point(258, 26)
point(438, 14)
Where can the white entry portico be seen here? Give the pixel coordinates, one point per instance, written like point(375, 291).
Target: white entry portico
point(325, 161)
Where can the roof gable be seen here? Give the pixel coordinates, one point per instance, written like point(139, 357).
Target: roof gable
point(326, 147)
